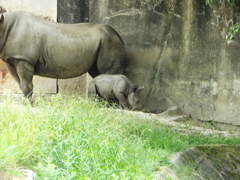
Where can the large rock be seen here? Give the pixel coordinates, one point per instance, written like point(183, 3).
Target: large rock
point(218, 162)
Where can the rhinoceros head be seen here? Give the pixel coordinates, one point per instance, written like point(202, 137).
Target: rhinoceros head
point(134, 98)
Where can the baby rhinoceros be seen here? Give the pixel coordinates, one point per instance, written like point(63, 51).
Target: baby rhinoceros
point(116, 87)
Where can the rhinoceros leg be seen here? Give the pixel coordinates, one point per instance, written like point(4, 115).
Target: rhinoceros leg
point(13, 72)
point(93, 71)
point(122, 100)
point(111, 58)
point(92, 89)
point(25, 73)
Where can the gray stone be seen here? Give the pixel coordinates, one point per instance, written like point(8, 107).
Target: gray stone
point(23, 174)
point(211, 161)
point(173, 111)
point(164, 173)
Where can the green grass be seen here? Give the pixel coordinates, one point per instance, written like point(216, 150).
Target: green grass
point(74, 138)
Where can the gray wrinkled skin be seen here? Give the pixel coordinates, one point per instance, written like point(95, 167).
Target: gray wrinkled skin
point(31, 46)
point(116, 87)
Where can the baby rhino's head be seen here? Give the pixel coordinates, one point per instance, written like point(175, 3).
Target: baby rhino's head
point(134, 98)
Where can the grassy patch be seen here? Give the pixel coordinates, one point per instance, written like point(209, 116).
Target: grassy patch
point(74, 138)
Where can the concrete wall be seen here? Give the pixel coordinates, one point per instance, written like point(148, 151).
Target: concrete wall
point(177, 49)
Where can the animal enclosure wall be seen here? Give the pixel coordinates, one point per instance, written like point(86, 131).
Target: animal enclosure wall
point(177, 50)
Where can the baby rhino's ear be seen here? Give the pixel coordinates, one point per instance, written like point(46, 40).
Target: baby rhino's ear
point(137, 89)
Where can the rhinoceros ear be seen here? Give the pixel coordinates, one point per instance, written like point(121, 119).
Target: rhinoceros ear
point(137, 89)
point(140, 89)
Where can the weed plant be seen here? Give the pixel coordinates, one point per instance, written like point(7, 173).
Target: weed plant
point(65, 138)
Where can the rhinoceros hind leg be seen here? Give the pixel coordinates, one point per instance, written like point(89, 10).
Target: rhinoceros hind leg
point(111, 65)
point(111, 58)
point(25, 73)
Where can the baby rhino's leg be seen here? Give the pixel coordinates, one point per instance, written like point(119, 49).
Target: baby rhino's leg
point(122, 100)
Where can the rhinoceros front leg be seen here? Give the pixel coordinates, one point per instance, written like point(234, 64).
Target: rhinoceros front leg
point(122, 100)
point(92, 90)
point(25, 73)
point(13, 72)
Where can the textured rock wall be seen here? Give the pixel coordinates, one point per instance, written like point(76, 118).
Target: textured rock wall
point(177, 49)
point(71, 11)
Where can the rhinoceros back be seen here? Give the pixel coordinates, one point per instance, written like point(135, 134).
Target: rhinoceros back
point(62, 50)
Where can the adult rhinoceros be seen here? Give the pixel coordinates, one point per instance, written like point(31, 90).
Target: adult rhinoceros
point(31, 46)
